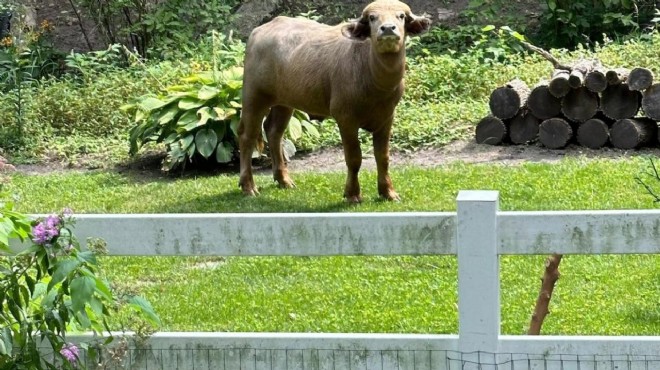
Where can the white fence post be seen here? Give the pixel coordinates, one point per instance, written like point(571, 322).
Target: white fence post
point(478, 271)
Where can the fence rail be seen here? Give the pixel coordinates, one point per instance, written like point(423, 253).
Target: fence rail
point(478, 233)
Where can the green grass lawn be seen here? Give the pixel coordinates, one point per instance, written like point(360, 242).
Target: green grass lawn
point(596, 294)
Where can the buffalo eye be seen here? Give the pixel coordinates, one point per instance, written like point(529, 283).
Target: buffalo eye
point(372, 18)
point(401, 16)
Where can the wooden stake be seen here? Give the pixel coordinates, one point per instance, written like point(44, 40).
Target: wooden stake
point(541, 310)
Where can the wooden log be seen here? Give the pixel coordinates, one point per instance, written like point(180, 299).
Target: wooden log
point(491, 130)
point(506, 101)
point(580, 71)
point(632, 133)
point(618, 102)
point(640, 79)
point(542, 103)
point(651, 102)
point(524, 127)
point(580, 104)
point(558, 85)
point(617, 76)
point(594, 133)
point(596, 81)
point(555, 133)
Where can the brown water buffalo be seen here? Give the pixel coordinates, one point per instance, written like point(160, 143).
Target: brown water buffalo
point(352, 72)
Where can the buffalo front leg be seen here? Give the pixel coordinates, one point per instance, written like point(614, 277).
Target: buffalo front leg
point(353, 158)
point(382, 153)
point(275, 125)
point(249, 130)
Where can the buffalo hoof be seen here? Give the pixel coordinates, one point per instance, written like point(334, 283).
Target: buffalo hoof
point(286, 184)
point(353, 199)
point(391, 196)
point(250, 191)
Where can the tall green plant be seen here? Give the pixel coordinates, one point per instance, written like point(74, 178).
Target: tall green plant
point(50, 289)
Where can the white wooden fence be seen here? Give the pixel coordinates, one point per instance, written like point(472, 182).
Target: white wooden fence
point(478, 233)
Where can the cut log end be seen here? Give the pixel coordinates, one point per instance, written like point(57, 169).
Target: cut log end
point(524, 128)
point(617, 76)
point(555, 133)
point(543, 104)
point(651, 102)
point(633, 133)
point(640, 79)
point(558, 85)
point(580, 104)
point(596, 81)
point(618, 102)
point(593, 133)
point(506, 101)
point(491, 130)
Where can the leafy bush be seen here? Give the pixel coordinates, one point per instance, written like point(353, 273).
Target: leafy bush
point(199, 117)
point(567, 23)
point(163, 29)
point(50, 289)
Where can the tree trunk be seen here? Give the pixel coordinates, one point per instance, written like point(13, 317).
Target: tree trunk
point(558, 85)
point(596, 81)
point(651, 102)
point(580, 104)
point(491, 130)
point(617, 76)
point(632, 133)
point(543, 104)
point(618, 102)
point(594, 133)
point(640, 79)
point(541, 310)
point(555, 133)
point(524, 127)
point(506, 101)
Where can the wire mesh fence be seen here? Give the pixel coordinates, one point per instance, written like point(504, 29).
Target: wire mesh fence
point(334, 359)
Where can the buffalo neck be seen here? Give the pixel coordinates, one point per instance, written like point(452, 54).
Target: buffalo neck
point(387, 69)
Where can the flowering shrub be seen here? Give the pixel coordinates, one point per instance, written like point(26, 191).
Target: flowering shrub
point(50, 289)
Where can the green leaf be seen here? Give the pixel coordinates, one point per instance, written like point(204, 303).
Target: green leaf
point(187, 120)
point(150, 103)
point(62, 269)
point(311, 129)
point(206, 140)
point(488, 28)
point(186, 141)
point(190, 103)
point(224, 152)
point(168, 114)
point(224, 114)
point(234, 126)
point(295, 129)
point(204, 114)
point(288, 148)
point(207, 92)
point(143, 306)
point(82, 289)
point(552, 5)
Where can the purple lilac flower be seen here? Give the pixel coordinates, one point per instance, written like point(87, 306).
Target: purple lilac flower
point(70, 352)
point(46, 230)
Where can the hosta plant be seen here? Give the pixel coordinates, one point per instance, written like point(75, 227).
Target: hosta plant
point(199, 118)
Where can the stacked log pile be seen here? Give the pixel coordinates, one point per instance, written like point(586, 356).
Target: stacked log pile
point(585, 103)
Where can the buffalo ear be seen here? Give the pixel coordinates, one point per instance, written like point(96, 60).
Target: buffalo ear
point(416, 25)
point(357, 30)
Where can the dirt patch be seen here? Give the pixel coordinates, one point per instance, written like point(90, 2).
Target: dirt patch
point(463, 151)
point(332, 159)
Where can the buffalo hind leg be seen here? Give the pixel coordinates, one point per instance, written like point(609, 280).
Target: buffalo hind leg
point(275, 125)
point(353, 157)
point(249, 130)
point(381, 141)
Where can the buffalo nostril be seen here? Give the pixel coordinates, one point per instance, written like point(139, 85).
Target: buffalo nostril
point(388, 27)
